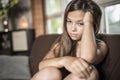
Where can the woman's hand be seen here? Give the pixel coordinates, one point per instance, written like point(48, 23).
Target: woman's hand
point(88, 18)
point(78, 66)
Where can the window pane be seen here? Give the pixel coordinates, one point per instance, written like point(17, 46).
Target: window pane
point(54, 25)
point(54, 15)
point(64, 4)
point(112, 16)
point(52, 6)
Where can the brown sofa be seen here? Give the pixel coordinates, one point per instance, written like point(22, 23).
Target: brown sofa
point(109, 68)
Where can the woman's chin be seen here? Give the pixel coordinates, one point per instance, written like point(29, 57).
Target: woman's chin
point(75, 39)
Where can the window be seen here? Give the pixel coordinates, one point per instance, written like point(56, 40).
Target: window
point(54, 10)
point(112, 19)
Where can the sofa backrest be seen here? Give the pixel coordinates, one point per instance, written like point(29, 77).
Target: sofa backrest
point(109, 67)
point(39, 49)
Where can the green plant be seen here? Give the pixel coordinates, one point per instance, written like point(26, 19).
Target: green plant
point(4, 10)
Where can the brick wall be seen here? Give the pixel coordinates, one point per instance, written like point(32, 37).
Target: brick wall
point(38, 16)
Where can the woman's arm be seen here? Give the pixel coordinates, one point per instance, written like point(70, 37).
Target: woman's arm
point(50, 60)
point(75, 65)
point(88, 46)
point(89, 50)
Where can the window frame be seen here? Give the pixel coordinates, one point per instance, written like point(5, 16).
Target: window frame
point(55, 15)
point(103, 27)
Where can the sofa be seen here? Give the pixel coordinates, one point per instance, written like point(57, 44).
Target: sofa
point(109, 67)
point(14, 67)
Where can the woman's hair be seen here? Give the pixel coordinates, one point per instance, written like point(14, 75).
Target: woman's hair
point(67, 46)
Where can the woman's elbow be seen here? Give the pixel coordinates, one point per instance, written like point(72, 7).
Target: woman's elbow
point(90, 58)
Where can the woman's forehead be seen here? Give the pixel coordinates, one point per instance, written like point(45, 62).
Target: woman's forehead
point(76, 15)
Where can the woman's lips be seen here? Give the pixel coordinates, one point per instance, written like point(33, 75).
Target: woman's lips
point(73, 35)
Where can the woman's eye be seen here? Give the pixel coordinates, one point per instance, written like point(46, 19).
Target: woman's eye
point(68, 21)
point(80, 24)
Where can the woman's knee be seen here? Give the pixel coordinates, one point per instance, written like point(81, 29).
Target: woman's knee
point(73, 77)
point(52, 72)
point(93, 76)
point(49, 73)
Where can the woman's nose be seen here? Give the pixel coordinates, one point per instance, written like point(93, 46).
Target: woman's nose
point(74, 28)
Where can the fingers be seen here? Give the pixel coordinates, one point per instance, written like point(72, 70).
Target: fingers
point(86, 65)
point(88, 17)
point(77, 70)
point(86, 68)
point(90, 68)
point(81, 68)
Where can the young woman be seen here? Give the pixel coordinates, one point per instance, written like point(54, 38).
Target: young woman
point(77, 50)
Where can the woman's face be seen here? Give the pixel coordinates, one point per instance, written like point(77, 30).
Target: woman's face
point(75, 24)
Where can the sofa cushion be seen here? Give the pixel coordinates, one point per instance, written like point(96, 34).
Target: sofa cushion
point(14, 67)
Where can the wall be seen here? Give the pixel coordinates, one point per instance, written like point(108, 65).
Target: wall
point(38, 16)
point(19, 11)
point(101, 2)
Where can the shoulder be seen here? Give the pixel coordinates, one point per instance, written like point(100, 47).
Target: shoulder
point(52, 51)
point(55, 46)
point(101, 50)
point(102, 46)
point(100, 43)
